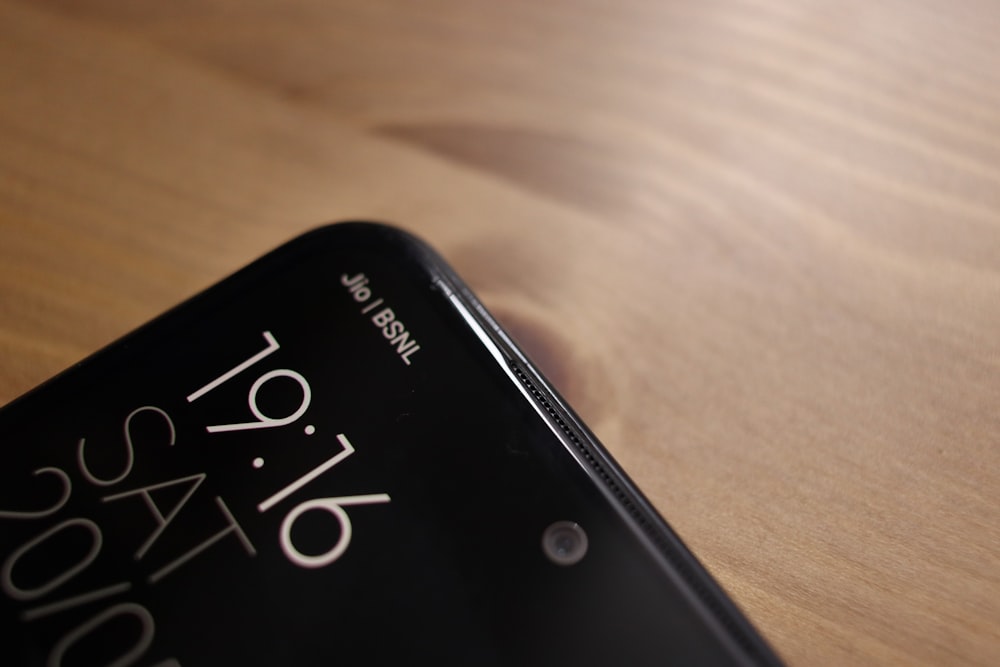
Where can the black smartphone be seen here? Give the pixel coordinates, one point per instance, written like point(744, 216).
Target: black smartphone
point(334, 456)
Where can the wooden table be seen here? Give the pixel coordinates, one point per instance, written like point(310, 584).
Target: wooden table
point(755, 243)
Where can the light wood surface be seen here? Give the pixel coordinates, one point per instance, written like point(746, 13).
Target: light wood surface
point(755, 243)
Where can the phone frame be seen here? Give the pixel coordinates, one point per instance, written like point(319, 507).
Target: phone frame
point(676, 559)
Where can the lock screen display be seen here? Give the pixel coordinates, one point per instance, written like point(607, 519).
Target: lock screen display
point(315, 461)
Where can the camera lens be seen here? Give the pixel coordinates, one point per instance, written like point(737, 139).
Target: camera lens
point(564, 543)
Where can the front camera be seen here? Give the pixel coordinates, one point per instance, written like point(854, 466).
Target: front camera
point(564, 543)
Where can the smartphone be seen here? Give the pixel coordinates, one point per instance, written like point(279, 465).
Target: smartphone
point(334, 456)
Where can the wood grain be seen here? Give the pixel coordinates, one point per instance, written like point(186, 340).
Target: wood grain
point(756, 244)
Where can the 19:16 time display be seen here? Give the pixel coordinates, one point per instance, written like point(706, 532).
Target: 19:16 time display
point(41, 599)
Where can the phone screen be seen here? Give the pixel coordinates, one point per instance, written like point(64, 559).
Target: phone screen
point(316, 460)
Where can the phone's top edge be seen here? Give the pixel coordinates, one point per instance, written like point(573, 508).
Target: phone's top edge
point(606, 471)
